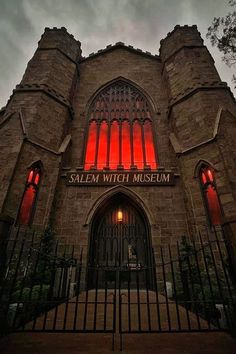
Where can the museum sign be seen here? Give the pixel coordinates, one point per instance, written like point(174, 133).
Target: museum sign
point(124, 178)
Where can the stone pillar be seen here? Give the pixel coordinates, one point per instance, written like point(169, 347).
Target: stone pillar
point(36, 121)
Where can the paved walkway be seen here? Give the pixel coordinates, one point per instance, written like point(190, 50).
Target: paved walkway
point(89, 310)
point(71, 343)
point(182, 343)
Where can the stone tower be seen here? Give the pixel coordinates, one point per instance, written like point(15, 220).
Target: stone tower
point(35, 122)
point(202, 122)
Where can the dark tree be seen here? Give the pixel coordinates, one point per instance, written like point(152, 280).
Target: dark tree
point(222, 34)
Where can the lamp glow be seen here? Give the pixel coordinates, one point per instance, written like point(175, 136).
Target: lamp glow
point(210, 175)
point(120, 216)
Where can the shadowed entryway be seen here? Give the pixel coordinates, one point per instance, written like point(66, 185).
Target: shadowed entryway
point(119, 241)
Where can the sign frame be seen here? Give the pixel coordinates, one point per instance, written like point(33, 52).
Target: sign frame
point(126, 178)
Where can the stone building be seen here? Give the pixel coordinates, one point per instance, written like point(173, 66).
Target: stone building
point(119, 137)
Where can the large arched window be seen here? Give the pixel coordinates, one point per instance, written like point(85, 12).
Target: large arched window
point(30, 195)
point(207, 178)
point(120, 131)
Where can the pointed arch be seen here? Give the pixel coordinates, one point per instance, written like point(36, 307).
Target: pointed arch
point(154, 107)
point(206, 175)
point(200, 163)
point(108, 194)
point(119, 236)
point(120, 132)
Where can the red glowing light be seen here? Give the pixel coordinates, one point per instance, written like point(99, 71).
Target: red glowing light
point(210, 176)
point(137, 141)
point(126, 150)
point(27, 205)
point(36, 181)
point(204, 179)
point(30, 176)
point(91, 146)
point(102, 146)
point(149, 146)
point(114, 148)
point(121, 130)
point(213, 206)
point(114, 145)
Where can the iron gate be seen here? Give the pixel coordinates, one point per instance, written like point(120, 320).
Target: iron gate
point(194, 290)
point(45, 288)
point(42, 288)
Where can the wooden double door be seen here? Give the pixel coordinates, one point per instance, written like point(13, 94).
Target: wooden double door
point(120, 248)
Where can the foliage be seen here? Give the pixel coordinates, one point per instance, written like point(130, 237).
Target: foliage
point(222, 34)
point(34, 294)
point(45, 266)
point(199, 286)
point(48, 240)
point(32, 289)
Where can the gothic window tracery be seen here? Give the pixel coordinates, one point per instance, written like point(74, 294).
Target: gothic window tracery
point(120, 131)
point(211, 199)
point(30, 194)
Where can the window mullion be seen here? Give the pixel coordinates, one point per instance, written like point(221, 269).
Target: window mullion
point(131, 143)
point(108, 144)
point(110, 106)
point(120, 143)
point(143, 144)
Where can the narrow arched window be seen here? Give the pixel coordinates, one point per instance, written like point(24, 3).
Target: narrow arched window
point(120, 130)
point(29, 197)
point(207, 178)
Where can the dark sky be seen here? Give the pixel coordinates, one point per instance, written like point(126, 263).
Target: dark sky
point(97, 23)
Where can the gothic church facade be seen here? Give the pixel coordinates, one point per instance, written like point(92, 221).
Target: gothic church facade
point(120, 136)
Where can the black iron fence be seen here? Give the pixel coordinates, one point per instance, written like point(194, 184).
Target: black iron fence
point(45, 287)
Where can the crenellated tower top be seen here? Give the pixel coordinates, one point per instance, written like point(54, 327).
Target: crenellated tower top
point(59, 38)
point(181, 36)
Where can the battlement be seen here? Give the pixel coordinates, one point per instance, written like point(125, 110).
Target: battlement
point(181, 36)
point(117, 45)
point(59, 38)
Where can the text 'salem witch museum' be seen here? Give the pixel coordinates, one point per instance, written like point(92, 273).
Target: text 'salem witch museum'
point(121, 152)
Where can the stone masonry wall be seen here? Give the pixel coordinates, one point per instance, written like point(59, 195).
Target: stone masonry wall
point(165, 204)
point(10, 146)
point(52, 102)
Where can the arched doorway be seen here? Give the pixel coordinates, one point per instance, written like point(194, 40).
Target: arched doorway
point(120, 247)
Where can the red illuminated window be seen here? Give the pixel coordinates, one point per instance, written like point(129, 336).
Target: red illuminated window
point(120, 132)
point(29, 196)
point(207, 178)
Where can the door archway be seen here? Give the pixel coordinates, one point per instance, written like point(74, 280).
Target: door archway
point(120, 241)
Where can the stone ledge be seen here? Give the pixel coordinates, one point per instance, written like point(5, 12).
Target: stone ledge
point(202, 84)
point(188, 92)
point(45, 89)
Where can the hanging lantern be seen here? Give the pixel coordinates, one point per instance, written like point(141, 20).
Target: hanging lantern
point(120, 216)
